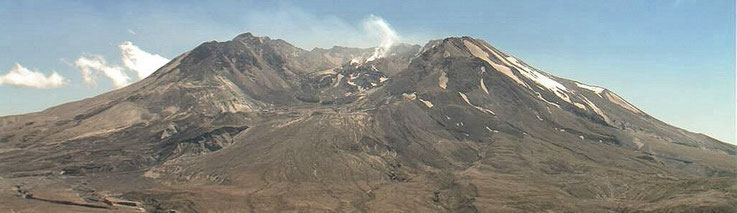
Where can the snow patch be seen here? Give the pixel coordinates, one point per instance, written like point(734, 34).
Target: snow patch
point(427, 103)
point(483, 86)
point(595, 89)
point(596, 109)
point(481, 54)
point(614, 98)
point(580, 106)
point(465, 98)
point(539, 96)
point(474, 106)
point(491, 130)
point(410, 96)
point(355, 61)
point(337, 80)
point(443, 80)
point(526, 71)
point(557, 88)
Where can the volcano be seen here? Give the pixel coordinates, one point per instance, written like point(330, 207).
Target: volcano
point(257, 124)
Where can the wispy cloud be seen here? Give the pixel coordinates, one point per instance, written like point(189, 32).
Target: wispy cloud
point(308, 30)
point(19, 76)
point(93, 64)
point(134, 60)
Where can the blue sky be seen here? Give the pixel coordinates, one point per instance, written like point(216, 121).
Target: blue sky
point(675, 59)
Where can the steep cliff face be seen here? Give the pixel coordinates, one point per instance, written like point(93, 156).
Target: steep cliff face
point(258, 124)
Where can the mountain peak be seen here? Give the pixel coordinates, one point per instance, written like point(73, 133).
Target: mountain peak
point(248, 36)
point(281, 124)
point(463, 46)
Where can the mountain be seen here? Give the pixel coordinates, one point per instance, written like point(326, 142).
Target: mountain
point(257, 124)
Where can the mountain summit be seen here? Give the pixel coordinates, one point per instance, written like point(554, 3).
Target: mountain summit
point(257, 124)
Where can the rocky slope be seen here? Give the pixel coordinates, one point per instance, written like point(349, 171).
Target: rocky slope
point(256, 124)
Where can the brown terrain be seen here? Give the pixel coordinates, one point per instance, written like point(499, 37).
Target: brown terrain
point(257, 125)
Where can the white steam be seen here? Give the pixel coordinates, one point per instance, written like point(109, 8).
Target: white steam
point(379, 28)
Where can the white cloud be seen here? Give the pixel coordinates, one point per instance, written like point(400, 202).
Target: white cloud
point(139, 61)
point(20, 76)
point(95, 63)
point(377, 27)
point(134, 59)
point(131, 32)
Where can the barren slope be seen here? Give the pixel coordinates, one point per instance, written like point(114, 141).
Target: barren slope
point(256, 124)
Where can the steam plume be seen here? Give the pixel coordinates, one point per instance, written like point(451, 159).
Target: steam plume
point(379, 28)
